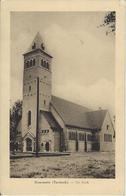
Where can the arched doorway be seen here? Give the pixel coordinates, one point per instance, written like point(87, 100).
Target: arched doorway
point(47, 146)
point(42, 147)
point(28, 144)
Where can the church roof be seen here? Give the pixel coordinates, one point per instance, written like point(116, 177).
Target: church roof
point(78, 116)
point(96, 118)
point(37, 41)
point(51, 120)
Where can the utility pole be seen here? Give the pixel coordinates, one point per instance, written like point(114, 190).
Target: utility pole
point(37, 119)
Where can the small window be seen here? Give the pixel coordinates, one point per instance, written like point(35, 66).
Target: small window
point(81, 136)
point(72, 136)
point(47, 65)
point(27, 64)
point(30, 63)
point(107, 127)
point(33, 62)
point(107, 137)
point(29, 88)
point(69, 135)
point(29, 118)
point(42, 62)
point(42, 144)
point(89, 137)
point(44, 102)
point(42, 46)
point(34, 46)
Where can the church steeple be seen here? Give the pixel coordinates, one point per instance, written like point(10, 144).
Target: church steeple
point(37, 54)
point(37, 43)
point(37, 64)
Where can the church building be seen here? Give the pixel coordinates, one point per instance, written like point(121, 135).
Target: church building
point(56, 124)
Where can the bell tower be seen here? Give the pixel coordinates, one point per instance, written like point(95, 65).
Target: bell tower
point(37, 64)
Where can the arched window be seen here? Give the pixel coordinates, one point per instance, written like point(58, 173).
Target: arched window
point(42, 62)
point(27, 64)
point(47, 146)
point(34, 46)
point(29, 118)
point(33, 62)
point(30, 63)
point(29, 88)
point(107, 127)
point(42, 46)
point(47, 65)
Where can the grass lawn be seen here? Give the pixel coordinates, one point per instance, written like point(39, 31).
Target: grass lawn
point(77, 165)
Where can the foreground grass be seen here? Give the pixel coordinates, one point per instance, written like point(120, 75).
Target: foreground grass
point(79, 165)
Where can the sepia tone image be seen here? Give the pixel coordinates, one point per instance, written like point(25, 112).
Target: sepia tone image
point(62, 104)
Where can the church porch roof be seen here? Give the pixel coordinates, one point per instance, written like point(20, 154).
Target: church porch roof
point(51, 120)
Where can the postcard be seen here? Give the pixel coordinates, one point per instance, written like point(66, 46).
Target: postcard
point(62, 106)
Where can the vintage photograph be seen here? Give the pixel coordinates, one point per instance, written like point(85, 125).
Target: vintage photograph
point(62, 94)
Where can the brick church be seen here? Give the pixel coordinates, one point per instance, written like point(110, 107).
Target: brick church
point(57, 124)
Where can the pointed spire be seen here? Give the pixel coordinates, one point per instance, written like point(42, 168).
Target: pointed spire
point(37, 43)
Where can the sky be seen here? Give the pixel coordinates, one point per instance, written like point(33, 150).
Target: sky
point(83, 65)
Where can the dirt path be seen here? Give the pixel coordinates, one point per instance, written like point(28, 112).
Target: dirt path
point(78, 165)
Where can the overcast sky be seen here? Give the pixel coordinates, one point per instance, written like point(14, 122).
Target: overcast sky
point(83, 67)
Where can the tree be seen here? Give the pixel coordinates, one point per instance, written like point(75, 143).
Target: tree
point(15, 117)
point(110, 22)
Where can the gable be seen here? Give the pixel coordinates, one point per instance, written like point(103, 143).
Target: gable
point(29, 134)
point(108, 122)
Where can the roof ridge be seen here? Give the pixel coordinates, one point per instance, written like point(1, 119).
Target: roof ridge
point(98, 110)
point(71, 102)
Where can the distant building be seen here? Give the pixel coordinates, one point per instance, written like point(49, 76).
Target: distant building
point(62, 125)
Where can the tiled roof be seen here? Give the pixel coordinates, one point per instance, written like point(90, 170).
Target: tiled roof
point(78, 116)
point(51, 120)
point(95, 118)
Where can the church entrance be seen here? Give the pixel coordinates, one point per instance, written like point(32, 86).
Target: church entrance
point(47, 146)
point(28, 144)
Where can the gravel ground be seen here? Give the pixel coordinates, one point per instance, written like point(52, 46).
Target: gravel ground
point(77, 165)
